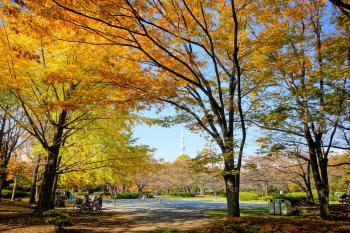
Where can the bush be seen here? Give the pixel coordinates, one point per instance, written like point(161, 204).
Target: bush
point(127, 195)
point(57, 218)
point(294, 198)
point(18, 194)
point(221, 193)
point(150, 195)
point(248, 196)
point(102, 193)
point(182, 194)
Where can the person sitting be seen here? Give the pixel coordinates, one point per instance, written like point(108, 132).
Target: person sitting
point(99, 200)
point(86, 199)
point(94, 201)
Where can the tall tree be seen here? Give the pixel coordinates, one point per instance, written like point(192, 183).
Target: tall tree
point(57, 84)
point(12, 138)
point(306, 98)
point(193, 53)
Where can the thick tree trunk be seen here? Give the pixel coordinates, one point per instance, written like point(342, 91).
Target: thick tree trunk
point(309, 194)
point(320, 175)
point(14, 189)
point(45, 196)
point(37, 192)
point(34, 180)
point(54, 187)
point(323, 191)
point(2, 183)
point(232, 194)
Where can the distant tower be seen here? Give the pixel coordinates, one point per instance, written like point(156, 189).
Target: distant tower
point(182, 143)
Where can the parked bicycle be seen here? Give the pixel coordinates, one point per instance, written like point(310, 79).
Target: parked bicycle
point(89, 206)
point(77, 203)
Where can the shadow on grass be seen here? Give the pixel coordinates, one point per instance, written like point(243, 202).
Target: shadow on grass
point(262, 211)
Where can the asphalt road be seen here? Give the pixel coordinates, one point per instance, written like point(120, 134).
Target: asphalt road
point(123, 205)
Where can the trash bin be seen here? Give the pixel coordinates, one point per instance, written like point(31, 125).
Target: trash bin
point(286, 207)
point(271, 207)
point(280, 207)
point(277, 206)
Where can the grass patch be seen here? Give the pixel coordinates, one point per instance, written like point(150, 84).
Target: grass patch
point(197, 198)
point(261, 211)
point(210, 198)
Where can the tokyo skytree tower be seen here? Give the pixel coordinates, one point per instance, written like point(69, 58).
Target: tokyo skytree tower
point(182, 143)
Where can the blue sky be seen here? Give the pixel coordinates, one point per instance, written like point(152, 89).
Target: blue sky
point(166, 141)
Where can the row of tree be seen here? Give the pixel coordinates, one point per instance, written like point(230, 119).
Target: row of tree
point(282, 66)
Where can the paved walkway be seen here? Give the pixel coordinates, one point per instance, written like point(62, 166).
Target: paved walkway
point(169, 205)
point(174, 214)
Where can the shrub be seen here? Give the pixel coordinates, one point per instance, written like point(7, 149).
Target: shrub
point(150, 195)
point(18, 194)
point(221, 193)
point(57, 218)
point(294, 198)
point(102, 193)
point(248, 196)
point(127, 195)
point(182, 194)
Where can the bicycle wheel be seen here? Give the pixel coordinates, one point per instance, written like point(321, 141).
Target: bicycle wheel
point(99, 209)
point(84, 208)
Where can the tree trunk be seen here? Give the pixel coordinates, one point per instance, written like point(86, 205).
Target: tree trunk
point(266, 189)
point(45, 196)
point(2, 183)
point(320, 175)
point(310, 196)
point(14, 189)
point(115, 193)
point(47, 191)
point(323, 191)
point(37, 188)
point(34, 180)
point(54, 187)
point(232, 194)
point(139, 189)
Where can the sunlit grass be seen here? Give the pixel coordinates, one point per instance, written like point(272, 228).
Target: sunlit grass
point(261, 211)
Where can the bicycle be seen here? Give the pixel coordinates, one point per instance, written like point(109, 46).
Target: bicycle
point(90, 208)
point(77, 203)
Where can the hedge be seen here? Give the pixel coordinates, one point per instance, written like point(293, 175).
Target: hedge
point(182, 194)
point(127, 195)
point(8, 193)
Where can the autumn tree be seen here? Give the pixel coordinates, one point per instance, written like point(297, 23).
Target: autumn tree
point(309, 68)
point(57, 85)
point(193, 53)
point(12, 137)
point(108, 156)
